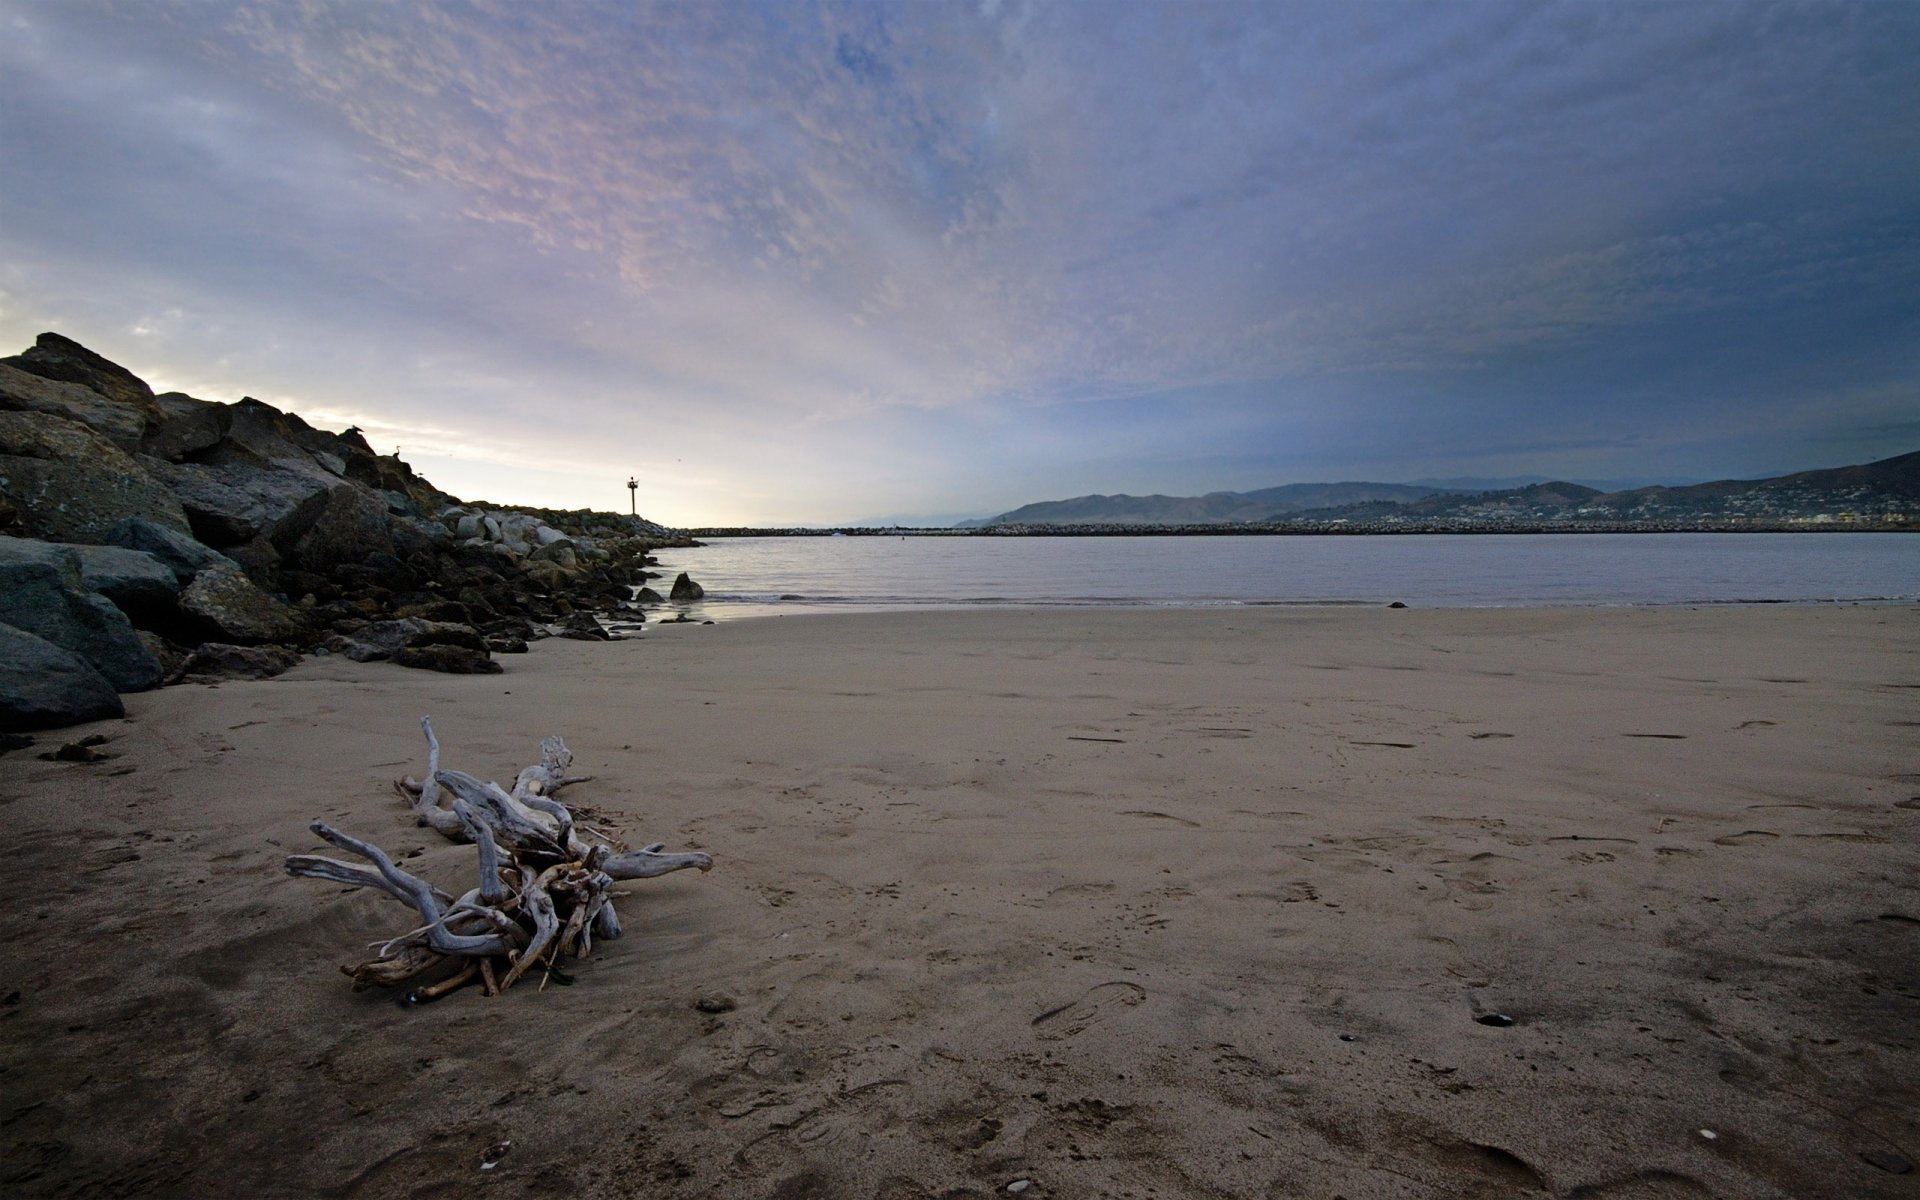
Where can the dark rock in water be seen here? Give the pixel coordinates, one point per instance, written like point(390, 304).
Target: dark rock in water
point(647, 595)
point(70, 484)
point(24, 392)
point(45, 687)
point(1397, 604)
point(41, 592)
point(456, 660)
point(685, 589)
point(56, 357)
point(139, 584)
point(228, 605)
point(178, 550)
point(220, 660)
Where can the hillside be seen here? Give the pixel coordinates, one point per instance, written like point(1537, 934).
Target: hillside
point(1213, 508)
point(1876, 491)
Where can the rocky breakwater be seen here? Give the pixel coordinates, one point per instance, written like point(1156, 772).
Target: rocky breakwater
point(147, 539)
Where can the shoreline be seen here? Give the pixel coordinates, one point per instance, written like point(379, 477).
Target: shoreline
point(1115, 901)
point(729, 609)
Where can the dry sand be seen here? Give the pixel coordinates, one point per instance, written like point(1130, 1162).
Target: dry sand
point(1120, 903)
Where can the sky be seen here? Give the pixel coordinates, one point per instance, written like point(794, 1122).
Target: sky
point(816, 263)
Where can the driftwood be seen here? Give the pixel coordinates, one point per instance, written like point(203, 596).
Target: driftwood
point(545, 889)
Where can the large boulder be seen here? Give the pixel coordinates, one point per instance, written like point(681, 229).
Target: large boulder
point(351, 527)
point(42, 593)
point(219, 660)
point(232, 504)
point(384, 639)
point(43, 686)
point(562, 552)
point(185, 426)
point(455, 660)
point(70, 484)
point(56, 357)
point(21, 391)
point(184, 556)
point(227, 604)
point(685, 590)
point(139, 584)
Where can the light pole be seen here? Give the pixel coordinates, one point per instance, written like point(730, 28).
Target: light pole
point(633, 496)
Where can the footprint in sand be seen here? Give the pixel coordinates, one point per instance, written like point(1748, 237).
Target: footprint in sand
point(1745, 837)
point(1159, 816)
point(1665, 737)
point(1070, 1020)
point(1480, 737)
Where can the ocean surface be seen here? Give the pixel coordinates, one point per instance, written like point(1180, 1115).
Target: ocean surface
point(790, 575)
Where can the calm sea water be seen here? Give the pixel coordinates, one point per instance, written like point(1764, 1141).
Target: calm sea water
point(764, 576)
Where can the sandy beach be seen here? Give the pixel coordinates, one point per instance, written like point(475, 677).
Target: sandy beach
point(1105, 903)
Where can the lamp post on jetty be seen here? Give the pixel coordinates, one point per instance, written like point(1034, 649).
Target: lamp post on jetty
point(633, 496)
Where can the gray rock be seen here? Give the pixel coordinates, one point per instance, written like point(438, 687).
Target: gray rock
point(561, 552)
point(231, 504)
point(185, 426)
point(138, 583)
point(24, 392)
point(56, 357)
point(70, 484)
point(581, 627)
point(685, 589)
point(184, 556)
point(45, 687)
point(162, 650)
point(647, 595)
point(219, 660)
point(455, 660)
point(226, 602)
point(41, 592)
point(384, 639)
point(468, 526)
point(261, 434)
point(350, 527)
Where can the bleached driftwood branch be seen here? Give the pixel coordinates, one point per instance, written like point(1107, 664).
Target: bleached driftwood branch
point(544, 891)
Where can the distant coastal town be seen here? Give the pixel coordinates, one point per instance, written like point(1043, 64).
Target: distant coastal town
point(1882, 496)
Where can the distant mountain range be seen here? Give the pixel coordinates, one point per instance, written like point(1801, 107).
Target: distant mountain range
point(1883, 492)
point(1212, 508)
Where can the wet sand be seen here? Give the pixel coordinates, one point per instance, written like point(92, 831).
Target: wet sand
point(1118, 903)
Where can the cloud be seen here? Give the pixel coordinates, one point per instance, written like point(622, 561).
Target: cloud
point(712, 224)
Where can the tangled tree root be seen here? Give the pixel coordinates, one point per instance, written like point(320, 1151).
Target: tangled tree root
point(545, 890)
